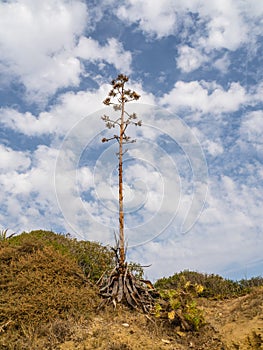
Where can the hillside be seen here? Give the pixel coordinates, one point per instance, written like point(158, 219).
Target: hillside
point(49, 300)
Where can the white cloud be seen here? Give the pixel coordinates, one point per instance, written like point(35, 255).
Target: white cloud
point(251, 130)
point(27, 123)
point(112, 53)
point(85, 178)
point(28, 191)
point(17, 183)
point(226, 28)
point(70, 109)
point(154, 18)
point(205, 97)
point(252, 126)
point(222, 25)
point(37, 39)
point(38, 178)
point(227, 233)
point(213, 148)
point(148, 179)
point(189, 59)
point(232, 205)
point(43, 45)
point(222, 63)
point(13, 160)
point(223, 19)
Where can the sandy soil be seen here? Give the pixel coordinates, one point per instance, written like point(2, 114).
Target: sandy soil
point(235, 324)
point(238, 321)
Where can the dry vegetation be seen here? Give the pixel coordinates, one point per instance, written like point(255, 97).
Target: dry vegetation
point(49, 300)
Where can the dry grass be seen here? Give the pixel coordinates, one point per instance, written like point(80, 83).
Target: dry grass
point(42, 293)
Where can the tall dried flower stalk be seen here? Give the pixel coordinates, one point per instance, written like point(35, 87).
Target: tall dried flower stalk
point(117, 98)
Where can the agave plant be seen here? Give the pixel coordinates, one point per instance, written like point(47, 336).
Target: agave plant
point(121, 285)
point(3, 235)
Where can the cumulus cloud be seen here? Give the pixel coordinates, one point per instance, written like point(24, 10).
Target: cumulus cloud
point(226, 232)
point(205, 97)
point(13, 160)
point(27, 123)
point(250, 131)
point(28, 191)
point(222, 63)
point(189, 58)
point(37, 42)
point(112, 52)
point(71, 108)
point(226, 27)
point(43, 45)
point(154, 18)
point(222, 25)
point(252, 126)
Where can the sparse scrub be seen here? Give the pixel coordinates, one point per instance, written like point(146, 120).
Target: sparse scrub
point(214, 286)
point(47, 284)
point(48, 299)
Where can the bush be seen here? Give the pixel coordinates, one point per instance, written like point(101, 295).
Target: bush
point(93, 258)
point(252, 282)
point(41, 286)
point(214, 286)
point(48, 286)
point(178, 307)
point(41, 289)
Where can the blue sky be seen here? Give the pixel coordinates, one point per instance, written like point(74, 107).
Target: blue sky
point(193, 180)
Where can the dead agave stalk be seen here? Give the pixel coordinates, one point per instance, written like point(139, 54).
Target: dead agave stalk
point(4, 236)
point(121, 285)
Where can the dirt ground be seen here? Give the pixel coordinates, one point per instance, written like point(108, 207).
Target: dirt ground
point(235, 324)
point(238, 321)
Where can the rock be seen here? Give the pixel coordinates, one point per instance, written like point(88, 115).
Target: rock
point(165, 341)
point(125, 325)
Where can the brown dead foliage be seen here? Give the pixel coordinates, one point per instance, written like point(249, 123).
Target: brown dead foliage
point(41, 293)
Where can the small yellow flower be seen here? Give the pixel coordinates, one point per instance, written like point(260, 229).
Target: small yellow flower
point(171, 315)
point(199, 288)
point(187, 285)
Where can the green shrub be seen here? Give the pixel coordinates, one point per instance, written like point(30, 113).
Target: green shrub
point(136, 270)
point(252, 282)
point(177, 307)
point(214, 286)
